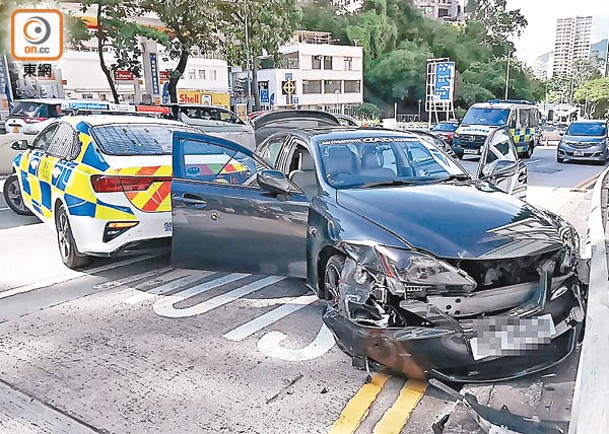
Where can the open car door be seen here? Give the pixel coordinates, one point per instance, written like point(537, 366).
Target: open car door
point(231, 212)
point(500, 166)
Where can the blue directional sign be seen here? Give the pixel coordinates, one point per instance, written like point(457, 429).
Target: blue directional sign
point(264, 96)
point(444, 83)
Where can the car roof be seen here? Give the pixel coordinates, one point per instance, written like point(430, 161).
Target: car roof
point(279, 116)
point(590, 121)
point(353, 133)
point(96, 120)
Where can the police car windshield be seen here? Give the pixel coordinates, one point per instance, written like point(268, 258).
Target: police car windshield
point(382, 161)
point(492, 117)
point(135, 139)
point(587, 129)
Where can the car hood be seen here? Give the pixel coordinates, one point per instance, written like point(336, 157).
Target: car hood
point(583, 139)
point(452, 221)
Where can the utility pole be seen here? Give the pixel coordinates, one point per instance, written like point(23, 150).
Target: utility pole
point(247, 60)
point(507, 77)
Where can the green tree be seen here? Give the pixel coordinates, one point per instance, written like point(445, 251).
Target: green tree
point(499, 23)
point(190, 24)
point(368, 110)
point(270, 23)
point(595, 94)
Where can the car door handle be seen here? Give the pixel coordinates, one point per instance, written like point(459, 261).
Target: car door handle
point(190, 200)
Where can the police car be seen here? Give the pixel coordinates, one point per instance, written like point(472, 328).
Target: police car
point(102, 182)
point(521, 117)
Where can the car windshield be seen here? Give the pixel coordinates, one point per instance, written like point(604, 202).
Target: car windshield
point(445, 127)
point(29, 109)
point(491, 117)
point(587, 129)
point(356, 162)
point(136, 139)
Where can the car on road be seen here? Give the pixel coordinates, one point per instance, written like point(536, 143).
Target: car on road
point(586, 140)
point(446, 130)
point(423, 267)
point(434, 139)
point(273, 122)
point(215, 121)
point(101, 182)
point(521, 117)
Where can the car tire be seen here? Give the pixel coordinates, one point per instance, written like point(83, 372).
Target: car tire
point(65, 241)
point(13, 197)
point(332, 272)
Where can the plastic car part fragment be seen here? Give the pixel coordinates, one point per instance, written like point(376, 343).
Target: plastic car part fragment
point(498, 421)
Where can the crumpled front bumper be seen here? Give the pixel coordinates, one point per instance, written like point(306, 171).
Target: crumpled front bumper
point(441, 348)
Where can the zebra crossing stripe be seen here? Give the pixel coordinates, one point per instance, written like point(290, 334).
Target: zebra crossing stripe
point(251, 327)
point(121, 282)
point(141, 296)
point(165, 306)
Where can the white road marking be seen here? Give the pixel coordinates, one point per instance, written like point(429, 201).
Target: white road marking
point(270, 346)
point(165, 307)
point(270, 317)
point(4, 209)
point(71, 276)
point(137, 295)
point(118, 283)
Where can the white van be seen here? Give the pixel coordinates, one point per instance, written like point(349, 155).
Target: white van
point(521, 117)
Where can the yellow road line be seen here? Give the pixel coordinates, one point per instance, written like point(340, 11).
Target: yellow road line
point(587, 183)
point(358, 407)
point(395, 418)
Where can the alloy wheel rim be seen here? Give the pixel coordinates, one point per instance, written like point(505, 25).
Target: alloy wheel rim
point(332, 281)
point(62, 230)
point(14, 195)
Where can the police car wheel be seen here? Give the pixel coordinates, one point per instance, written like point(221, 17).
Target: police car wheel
point(12, 195)
point(67, 246)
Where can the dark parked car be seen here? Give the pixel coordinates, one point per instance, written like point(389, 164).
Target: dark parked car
point(446, 130)
point(273, 122)
point(585, 141)
point(423, 267)
point(438, 141)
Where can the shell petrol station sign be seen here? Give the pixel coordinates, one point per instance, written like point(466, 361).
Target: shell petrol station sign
point(199, 97)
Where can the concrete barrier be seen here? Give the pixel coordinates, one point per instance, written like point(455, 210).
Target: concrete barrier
point(590, 411)
point(6, 153)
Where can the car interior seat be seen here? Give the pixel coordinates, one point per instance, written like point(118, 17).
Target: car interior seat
point(304, 177)
point(372, 166)
point(341, 163)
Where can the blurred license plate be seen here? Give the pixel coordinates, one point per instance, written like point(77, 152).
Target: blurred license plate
point(470, 151)
point(510, 336)
point(578, 153)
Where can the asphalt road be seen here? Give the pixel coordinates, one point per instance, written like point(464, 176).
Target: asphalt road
point(131, 345)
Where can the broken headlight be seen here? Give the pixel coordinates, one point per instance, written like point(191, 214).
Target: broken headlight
point(421, 274)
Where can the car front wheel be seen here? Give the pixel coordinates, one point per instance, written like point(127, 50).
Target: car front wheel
point(13, 197)
point(67, 246)
point(332, 273)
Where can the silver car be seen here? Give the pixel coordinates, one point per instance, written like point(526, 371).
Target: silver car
point(585, 140)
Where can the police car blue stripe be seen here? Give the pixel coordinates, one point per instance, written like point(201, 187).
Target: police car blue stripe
point(93, 159)
point(79, 207)
point(124, 209)
point(25, 183)
point(45, 193)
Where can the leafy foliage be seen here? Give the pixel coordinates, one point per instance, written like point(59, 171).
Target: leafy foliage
point(596, 93)
point(368, 110)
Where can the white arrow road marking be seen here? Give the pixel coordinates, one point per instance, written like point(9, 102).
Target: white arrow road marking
point(71, 276)
point(142, 295)
point(121, 282)
point(270, 346)
point(270, 317)
point(165, 307)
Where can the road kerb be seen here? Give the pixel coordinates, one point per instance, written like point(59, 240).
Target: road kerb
point(358, 407)
point(396, 417)
point(591, 394)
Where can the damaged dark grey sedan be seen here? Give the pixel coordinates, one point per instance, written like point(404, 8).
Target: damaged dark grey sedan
point(426, 270)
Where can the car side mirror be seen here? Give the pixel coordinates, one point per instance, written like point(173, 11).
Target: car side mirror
point(498, 167)
point(274, 182)
point(20, 145)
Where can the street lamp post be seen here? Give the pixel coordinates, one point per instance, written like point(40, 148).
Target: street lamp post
point(507, 76)
point(247, 60)
point(337, 93)
point(420, 110)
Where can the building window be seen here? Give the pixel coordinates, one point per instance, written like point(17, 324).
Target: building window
point(311, 86)
point(316, 62)
point(327, 62)
point(290, 61)
point(442, 12)
point(192, 74)
point(352, 86)
point(202, 74)
point(348, 63)
point(213, 74)
point(332, 86)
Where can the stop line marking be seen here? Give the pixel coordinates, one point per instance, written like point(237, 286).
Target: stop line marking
point(251, 327)
point(165, 307)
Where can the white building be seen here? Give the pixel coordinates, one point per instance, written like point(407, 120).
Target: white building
point(572, 43)
point(441, 10)
point(327, 77)
point(542, 68)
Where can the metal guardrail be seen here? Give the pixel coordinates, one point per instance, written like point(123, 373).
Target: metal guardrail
point(590, 411)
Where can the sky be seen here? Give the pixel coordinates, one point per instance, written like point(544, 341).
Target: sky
point(538, 38)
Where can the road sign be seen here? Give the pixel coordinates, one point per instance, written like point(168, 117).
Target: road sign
point(444, 81)
point(288, 87)
point(264, 96)
point(295, 100)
